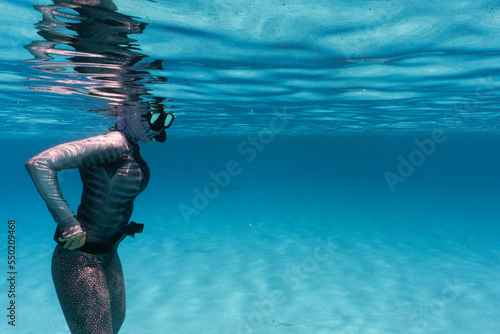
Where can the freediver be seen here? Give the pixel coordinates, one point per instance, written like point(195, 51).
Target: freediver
point(86, 268)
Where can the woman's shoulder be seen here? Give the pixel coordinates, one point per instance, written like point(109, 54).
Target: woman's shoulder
point(114, 139)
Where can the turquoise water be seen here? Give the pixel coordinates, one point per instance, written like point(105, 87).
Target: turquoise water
point(332, 167)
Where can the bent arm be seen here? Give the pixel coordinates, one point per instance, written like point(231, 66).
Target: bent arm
point(43, 170)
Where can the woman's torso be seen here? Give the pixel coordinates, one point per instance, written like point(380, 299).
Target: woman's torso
point(108, 195)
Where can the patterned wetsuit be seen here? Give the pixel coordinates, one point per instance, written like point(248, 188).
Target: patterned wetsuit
point(90, 287)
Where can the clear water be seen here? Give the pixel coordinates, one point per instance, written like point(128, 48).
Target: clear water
point(372, 207)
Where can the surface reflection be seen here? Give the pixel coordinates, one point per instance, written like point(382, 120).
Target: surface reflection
point(87, 44)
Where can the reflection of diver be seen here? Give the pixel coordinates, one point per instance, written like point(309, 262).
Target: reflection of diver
point(100, 56)
point(85, 267)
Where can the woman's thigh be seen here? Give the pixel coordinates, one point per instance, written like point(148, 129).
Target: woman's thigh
point(83, 293)
point(116, 289)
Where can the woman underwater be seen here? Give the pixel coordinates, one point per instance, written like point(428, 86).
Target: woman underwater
point(86, 268)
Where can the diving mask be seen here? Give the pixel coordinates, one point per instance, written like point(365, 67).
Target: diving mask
point(159, 122)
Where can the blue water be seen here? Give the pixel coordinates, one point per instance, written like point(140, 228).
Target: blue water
point(332, 167)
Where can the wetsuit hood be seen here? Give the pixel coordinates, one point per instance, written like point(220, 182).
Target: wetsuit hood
point(135, 127)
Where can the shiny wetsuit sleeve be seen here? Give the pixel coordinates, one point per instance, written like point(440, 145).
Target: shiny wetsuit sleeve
point(43, 170)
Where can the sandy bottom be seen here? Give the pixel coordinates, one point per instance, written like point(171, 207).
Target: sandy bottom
point(303, 266)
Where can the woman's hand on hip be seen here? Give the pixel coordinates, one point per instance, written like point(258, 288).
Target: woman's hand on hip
point(73, 242)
